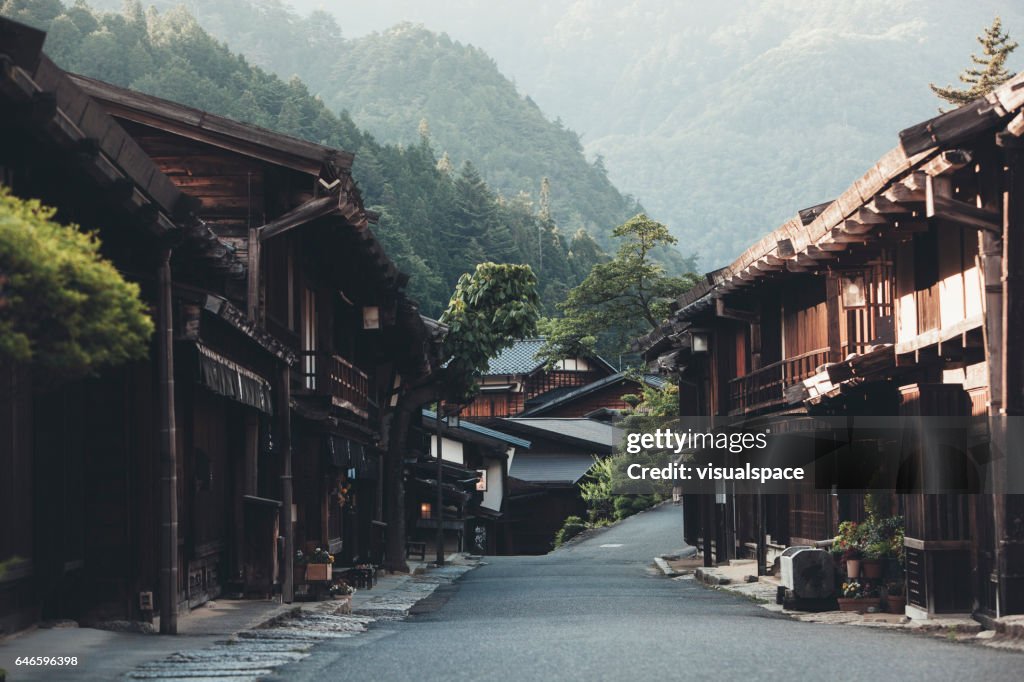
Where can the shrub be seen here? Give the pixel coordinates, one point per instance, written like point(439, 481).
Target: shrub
point(572, 527)
point(63, 307)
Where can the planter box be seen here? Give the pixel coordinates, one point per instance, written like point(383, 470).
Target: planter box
point(859, 605)
point(318, 572)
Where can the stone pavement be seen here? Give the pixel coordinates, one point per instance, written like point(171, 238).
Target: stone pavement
point(740, 577)
point(225, 640)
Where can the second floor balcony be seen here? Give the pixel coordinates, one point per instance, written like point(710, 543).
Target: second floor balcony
point(333, 376)
point(765, 387)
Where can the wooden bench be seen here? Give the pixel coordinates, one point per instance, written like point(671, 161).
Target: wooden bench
point(416, 549)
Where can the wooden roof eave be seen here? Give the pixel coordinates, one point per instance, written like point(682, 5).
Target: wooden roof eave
point(18, 84)
point(219, 131)
point(888, 198)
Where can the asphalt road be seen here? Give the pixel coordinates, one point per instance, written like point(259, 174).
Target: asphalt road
point(597, 611)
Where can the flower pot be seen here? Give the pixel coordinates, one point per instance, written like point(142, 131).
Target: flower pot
point(896, 604)
point(318, 572)
point(859, 605)
point(871, 568)
point(344, 603)
point(853, 568)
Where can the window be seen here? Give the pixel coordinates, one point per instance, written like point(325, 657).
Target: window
point(308, 337)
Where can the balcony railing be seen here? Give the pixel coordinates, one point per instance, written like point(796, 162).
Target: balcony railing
point(766, 386)
point(332, 375)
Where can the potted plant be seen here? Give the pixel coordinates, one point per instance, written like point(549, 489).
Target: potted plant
point(318, 564)
point(849, 547)
point(874, 554)
point(895, 596)
point(342, 591)
point(858, 597)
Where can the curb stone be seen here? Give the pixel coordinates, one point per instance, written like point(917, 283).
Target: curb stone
point(665, 568)
point(1008, 633)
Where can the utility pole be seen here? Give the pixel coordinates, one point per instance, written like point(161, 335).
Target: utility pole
point(439, 538)
point(168, 453)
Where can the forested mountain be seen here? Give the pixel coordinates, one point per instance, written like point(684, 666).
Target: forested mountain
point(436, 221)
point(396, 82)
point(722, 118)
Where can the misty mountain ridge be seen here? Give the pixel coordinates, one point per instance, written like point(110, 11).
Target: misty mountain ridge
point(723, 119)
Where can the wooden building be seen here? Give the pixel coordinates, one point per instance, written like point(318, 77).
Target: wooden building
point(517, 380)
point(544, 481)
point(474, 486)
point(283, 337)
point(900, 298)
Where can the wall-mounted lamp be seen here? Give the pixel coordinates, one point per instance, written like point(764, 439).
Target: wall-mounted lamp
point(425, 510)
point(851, 285)
point(700, 341)
point(371, 317)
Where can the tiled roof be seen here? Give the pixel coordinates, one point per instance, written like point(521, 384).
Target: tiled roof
point(519, 358)
point(550, 468)
point(481, 430)
point(602, 436)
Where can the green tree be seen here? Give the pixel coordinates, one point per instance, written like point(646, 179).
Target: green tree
point(989, 70)
point(619, 298)
point(62, 306)
point(490, 309)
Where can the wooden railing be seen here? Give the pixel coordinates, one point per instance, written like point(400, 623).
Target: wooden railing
point(766, 386)
point(347, 385)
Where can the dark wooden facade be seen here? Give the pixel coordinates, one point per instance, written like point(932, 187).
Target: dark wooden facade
point(896, 299)
point(287, 333)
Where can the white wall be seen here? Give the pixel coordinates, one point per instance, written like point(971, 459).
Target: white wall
point(495, 490)
point(451, 450)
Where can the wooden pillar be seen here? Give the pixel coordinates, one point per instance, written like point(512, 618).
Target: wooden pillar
point(707, 518)
point(167, 449)
point(252, 289)
point(284, 413)
point(1009, 539)
point(833, 298)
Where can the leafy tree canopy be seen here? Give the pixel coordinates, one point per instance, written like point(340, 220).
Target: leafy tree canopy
point(989, 70)
point(619, 298)
point(490, 308)
point(62, 306)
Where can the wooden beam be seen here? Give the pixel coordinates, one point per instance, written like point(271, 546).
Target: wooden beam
point(1016, 126)
point(840, 236)
point(833, 246)
point(947, 162)
point(722, 310)
point(951, 127)
point(307, 212)
point(862, 221)
point(885, 206)
point(856, 228)
point(818, 254)
point(765, 266)
point(940, 204)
